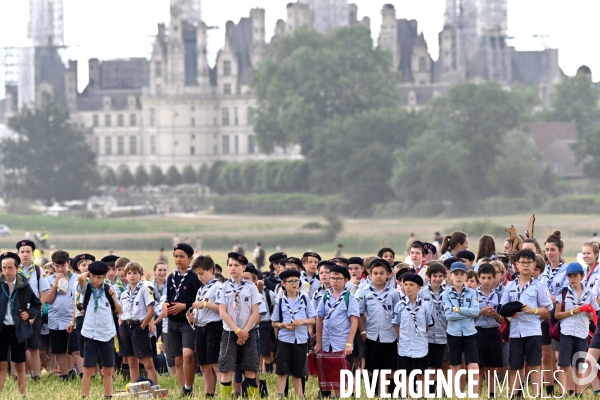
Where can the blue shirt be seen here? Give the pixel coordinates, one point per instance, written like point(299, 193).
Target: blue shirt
point(301, 308)
point(461, 323)
point(336, 327)
point(378, 308)
point(98, 323)
point(555, 279)
point(491, 300)
point(437, 333)
point(412, 320)
point(60, 312)
point(134, 304)
point(317, 296)
point(591, 278)
point(309, 285)
point(578, 324)
point(535, 295)
point(207, 293)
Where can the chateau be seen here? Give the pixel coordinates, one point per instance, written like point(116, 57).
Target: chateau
point(175, 109)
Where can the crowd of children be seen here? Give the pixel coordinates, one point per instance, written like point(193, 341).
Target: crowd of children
point(511, 312)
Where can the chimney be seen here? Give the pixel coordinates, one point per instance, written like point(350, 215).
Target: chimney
point(94, 69)
point(258, 25)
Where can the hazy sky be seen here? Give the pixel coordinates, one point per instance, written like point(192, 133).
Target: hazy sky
point(124, 28)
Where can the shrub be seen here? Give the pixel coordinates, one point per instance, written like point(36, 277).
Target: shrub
point(481, 227)
point(578, 204)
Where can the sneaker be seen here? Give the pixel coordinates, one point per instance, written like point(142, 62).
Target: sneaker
point(186, 392)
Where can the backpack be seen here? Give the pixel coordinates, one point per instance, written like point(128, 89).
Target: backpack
point(303, 297)
point(346, 297)
point(88, 295)
point(268, 299)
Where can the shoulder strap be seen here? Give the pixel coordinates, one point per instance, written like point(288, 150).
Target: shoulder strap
point(564, 296)
point(326, 297)
point(347, 298)
point(38, 273)
point(86, 297)
point(304, 299)
point(280, 309)
point(110, 299)
point(268, 299)
point(23, 297)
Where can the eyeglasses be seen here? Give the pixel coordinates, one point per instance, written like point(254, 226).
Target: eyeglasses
point(336, 279)
point(293, 282)
point(526, 263)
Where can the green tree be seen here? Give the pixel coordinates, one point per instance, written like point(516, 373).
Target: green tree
point(49, 159)
point(203, 174)
point(189, 175)
point(172, 177)
point(157, 177)
point(213, 173)
point(141, 176)
point(109, 177)
point(125, 178)
point(312, 78)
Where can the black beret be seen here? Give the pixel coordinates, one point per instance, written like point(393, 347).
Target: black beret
point(466, 254)
point(288, 273)
point(381, 252)
point(327, 262)
point(14, 256)
point(340, 260)
point(294, 260)
point(311, 254)
point(429, 248)
point(98, 268)
point(80, 257)
point(382, 262)
point(238, 257)
point(510, 309)
point(251, 269)
point(282, 261)
point(413, 278)
point(275, 257)
point(186, 248)
point(340, 270)
point(26, 242)
point(505, 260)
point(418, 242)
point(451, 260)
point(355, 260)
point(217, 266)
point(110, 258)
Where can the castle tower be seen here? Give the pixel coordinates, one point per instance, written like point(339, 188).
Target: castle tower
point(388, 36)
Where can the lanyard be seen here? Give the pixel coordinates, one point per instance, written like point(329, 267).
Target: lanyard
point(337, 303)
point(11, 297)
point(590, 274)
point(178, 287)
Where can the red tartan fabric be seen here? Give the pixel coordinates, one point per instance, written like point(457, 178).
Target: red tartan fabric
point(329, 365)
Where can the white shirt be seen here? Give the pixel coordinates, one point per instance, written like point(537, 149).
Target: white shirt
point(98, 323)
point(134, 304)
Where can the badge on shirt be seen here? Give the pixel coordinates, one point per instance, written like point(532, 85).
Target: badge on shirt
point(245, 298)
point(468, 300)
point(137, 303)
point(106, 304)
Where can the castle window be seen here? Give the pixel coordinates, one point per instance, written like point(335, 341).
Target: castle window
point(107, 120)
point(235, 116)
point(96, 145)
point(132, 145)
point(227, 88)
point(412, 99)
point(192, 150)
point(120, 145)
point(96, 120)
point(251, 144)
point(120, 120)
point(152, 119)
point(225, 144)
point(153, 145)
point(193, 122)
point(422, 64)
point(226, 68)
point(236, 144)
point(132, 120)
point(225, 116)
point(108, 145)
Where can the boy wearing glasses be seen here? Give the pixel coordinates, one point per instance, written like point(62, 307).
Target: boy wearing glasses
point(238, 302)
point(525, 336)
point(291, 316)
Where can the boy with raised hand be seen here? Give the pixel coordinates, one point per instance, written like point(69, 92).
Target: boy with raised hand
point(411, 321)
point(337, 321)
point(291, 316)
point(489, 339)
point(79, 264)
point(525, 339)
point(238, 302)
point(40, 287)
point(309, 277)
point(376, 304)
point(206, 318)
point(112, 278)
point(436, 335)
point(182, 287)
point(461, 308)
point(137, 303)
point(574, 326)
point(60, 298)
point(18, 304)
point(98, 326)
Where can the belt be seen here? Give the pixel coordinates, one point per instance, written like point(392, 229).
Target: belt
point(132, 322)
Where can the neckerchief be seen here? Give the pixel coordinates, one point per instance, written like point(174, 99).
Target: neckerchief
point(384, 293)
point(417, 270)
point(236, 292)
point(11, 297)
point(521, 290)
point(551, 274)
point(133, 296)
point(178, 287)
point(159, 288)
point(460, 297)
point(27, 274)
point(292, 312)
point(591, 273)
point(337, 302)
point(413, 313)
point(571, 294)
point(486, 299)
point(308, 279)
point(437, 303)
point(96, 294)
point(205, 289)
